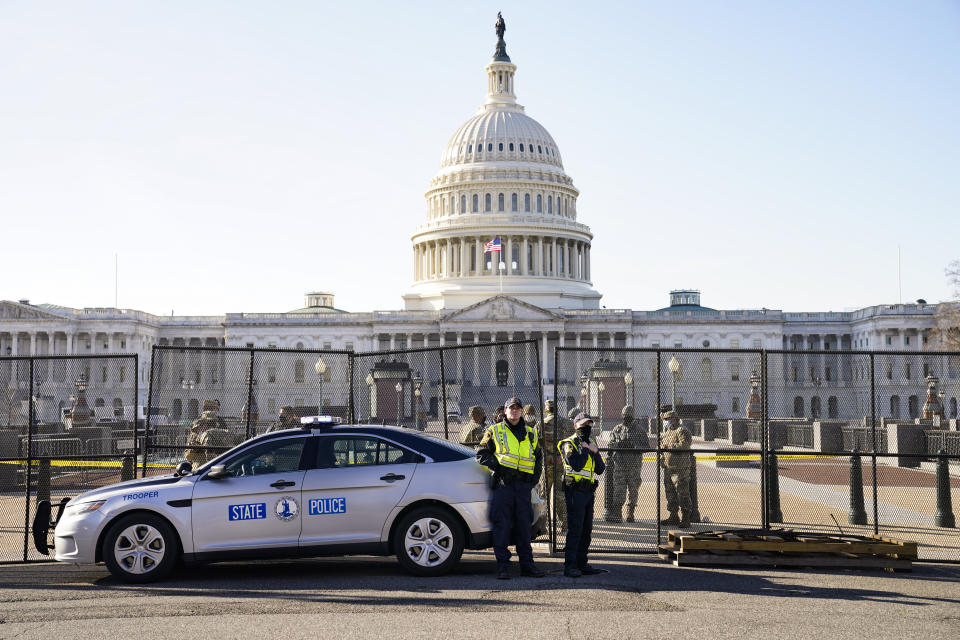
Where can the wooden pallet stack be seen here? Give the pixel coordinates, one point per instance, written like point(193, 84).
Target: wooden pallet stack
point(787, 548)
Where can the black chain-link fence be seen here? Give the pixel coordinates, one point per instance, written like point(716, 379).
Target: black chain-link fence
point(204, 400)
point(68, 424)
point(859, 442)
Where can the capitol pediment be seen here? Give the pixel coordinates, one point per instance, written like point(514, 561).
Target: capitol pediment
point(502, 307)
point(15, 311)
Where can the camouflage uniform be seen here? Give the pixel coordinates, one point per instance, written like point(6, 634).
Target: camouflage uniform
point(554, 430)
point(626, 476)
point(472, 433)
point(676, 476)
point(209, 420)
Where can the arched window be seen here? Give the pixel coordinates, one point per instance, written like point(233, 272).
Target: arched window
point(832, 407)
point(476, 203)
point(539, 203)
point(300, 346)
point(193, 408)
point(176, 409)
point(521, 147)
point(815, 407)
point(549, 204)
point(539, 150)
point(500, 147)
point(511, 146)
point(798, 407)
point(463, 204)
point(469, 148)
point(489, 146)
point(914, 407)
point(526, 201)
point(953, 407)
point(487, 200)
point(894, 406)
point(298, 371)
point(500, 204)
point(513, 202)
point(99, 403)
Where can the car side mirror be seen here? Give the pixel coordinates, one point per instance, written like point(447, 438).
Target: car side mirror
point(217, 472)
point(184, 468)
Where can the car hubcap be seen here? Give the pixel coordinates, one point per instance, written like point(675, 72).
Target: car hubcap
point(139, 548)
point(428, 542)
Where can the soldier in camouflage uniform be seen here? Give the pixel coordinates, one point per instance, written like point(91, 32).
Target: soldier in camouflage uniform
point(472, 432)
point(626, 477)
point(554, 430)
point(676, 476)
point(209, 420)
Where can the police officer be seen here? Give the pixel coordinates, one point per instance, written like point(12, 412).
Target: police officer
point(676, 475)
point(209, 419)
point(626, 466)
point(581, 466)
point(472, 432)
point(512, 451)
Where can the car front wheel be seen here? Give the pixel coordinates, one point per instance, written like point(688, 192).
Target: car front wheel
point(428, 541)
point(140, 547)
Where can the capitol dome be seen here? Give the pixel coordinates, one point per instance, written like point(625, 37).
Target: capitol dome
point(501, 182)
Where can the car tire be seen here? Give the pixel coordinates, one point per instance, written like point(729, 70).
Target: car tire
point(428, 541)
point(140, 547)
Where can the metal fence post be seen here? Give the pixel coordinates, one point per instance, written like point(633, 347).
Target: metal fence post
point(764, 444)
point(548, 456)
point(443, 395)
point(28, 477)
point(250, 394)
point(146, 426)
point(656, 409)
point(873, 432)
point(136, 406)
point(351, 414)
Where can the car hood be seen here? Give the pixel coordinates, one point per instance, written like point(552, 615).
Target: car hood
point(101, 493)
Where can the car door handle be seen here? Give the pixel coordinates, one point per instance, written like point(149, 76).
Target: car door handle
point(280, 484)
point(392, 477)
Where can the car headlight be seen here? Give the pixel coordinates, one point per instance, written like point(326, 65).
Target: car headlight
point(83, 507)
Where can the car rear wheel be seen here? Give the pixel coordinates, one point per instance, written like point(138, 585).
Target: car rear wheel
point(140, 547)
point(428, 541)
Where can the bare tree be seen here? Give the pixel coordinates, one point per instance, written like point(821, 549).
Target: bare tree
point(946, 335)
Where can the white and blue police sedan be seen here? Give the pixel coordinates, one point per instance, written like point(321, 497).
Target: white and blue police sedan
point(323, 489)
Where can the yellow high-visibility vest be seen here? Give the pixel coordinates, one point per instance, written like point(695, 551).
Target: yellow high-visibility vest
point(512, 453)
point(584, 474)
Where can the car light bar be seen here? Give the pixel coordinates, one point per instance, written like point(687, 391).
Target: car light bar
point(314, 420)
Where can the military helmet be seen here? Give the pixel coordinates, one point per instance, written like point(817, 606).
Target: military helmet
point(476, 413)
point(549, 407)
point(627, 411)
point(210, 405)
point(573, 413)
point(666, 415)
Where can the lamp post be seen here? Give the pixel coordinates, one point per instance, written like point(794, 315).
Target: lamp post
point(399, 389)
point(584, 394)
point(321, 368)
point(371, 398)
point(676, 373)
point(417, 383)
point(600, 388)
point(817, 381)
point(628, 386)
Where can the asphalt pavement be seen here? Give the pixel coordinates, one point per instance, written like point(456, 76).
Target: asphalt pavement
point(640, 597)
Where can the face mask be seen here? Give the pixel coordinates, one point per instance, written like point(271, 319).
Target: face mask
point(529, 419)
point(584, 432)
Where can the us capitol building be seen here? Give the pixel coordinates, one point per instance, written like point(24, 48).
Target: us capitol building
point(501, 175)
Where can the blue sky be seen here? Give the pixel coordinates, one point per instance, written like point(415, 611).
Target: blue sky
point(234, 155)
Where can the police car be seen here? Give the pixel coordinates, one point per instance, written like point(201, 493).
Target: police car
point(322, 489)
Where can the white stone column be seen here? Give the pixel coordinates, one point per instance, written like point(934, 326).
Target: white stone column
point(509, 260)
point(478, 251)
point(538, 262)
point(527, 350)
point(69, 342)
point(15, 343)
point(460, 376)
point(33, 344)
point(448, 267)
point(463, 258)
point(586, 263)
point(596, 339)
point(393, 342)
point(524, 250)
point(544, 359)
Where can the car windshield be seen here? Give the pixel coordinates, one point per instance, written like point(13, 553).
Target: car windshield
point(459, 448)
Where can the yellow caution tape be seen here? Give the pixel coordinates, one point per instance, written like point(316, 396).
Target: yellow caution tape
point(90, 464)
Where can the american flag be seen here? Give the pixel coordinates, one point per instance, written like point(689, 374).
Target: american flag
point(493, 245)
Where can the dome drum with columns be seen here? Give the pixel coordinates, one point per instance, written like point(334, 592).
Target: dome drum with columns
point(501, 175)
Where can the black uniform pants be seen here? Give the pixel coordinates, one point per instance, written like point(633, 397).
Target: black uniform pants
point(579, 527)
point(511, 515)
